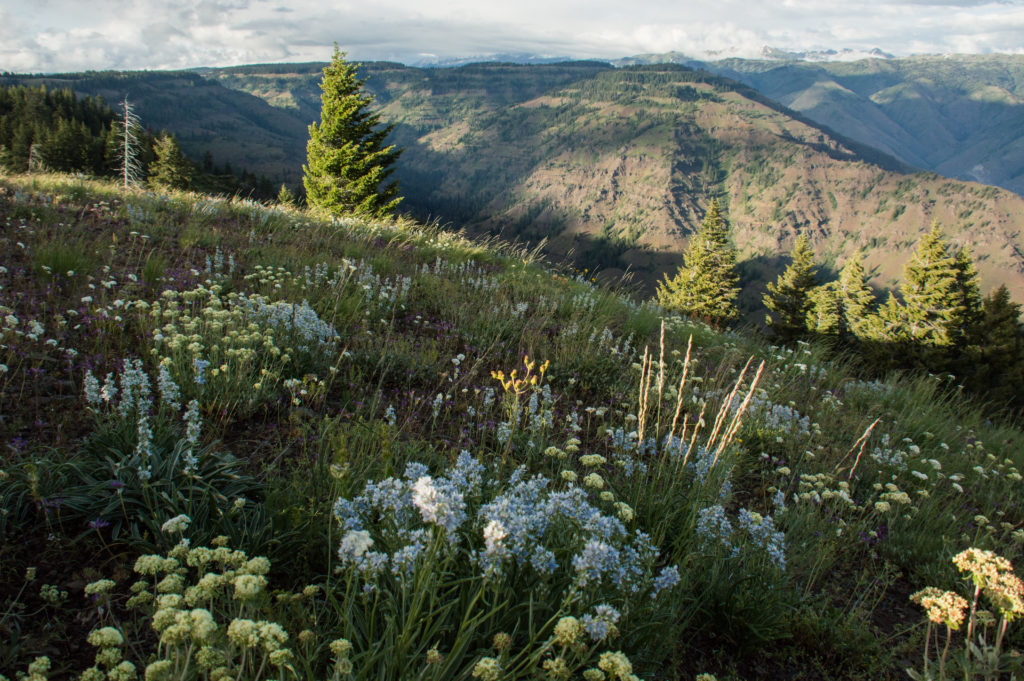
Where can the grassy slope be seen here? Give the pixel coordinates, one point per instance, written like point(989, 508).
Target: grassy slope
point(424, 317)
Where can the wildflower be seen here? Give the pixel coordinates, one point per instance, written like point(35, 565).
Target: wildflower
point(248, 587)
point(666, 579)
point(434, 657)
point(244, 633)
point(105, 637)
point(502, 641)
point(356, 543)
point(159, 670)
point(568, 476)
point(624, 512)
point(176, 525)
point(198, 369)
point(568, 631)
point(557, 669)
point(594, 481)
point(442, 505)
point(494, 533)
point(92, 388)
point(882, 506)
point(942, 607)
point(601, 625)
point(341, 647)
point(487, 669)
point(593, 675)
point(592, 460)
point(99, 587)
point(616, 665)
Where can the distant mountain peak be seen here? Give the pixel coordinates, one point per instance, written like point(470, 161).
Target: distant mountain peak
point(845, 54)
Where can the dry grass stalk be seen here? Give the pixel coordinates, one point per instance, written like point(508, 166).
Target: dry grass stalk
point(862, 441)
point(679, 396)
point(724, 410)
point(730, 432)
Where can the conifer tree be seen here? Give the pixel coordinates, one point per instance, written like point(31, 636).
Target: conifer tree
point(788, 299)
point(1001, 365)
point(285, 196)
point(170, 168)
point(129, 166)
point(934, 295)
point(347, 162)
point(706, 285)
point(843, 308)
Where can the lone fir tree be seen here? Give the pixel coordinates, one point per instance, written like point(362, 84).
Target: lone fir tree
point(706, 285)
point(347, 163)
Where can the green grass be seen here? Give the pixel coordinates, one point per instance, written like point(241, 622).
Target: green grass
point(343, 353)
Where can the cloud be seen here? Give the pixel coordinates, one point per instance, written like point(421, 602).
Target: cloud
point(70, 35)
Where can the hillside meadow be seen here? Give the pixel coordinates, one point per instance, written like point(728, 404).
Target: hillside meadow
point(241, 441)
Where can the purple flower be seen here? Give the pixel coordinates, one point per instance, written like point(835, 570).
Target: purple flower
point(98, 524)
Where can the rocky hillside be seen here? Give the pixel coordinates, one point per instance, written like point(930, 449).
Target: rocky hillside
point(614, 167)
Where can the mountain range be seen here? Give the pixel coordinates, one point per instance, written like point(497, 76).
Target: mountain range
point(613, 166)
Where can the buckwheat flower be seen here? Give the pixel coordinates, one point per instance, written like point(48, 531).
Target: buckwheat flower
point(487, 669)
point(244, 633)
point(592, 460)
point(105, 637)
point(177, 524)
point(248, 587)
point(552, 451)
point(557, 669)
point(340, 647)
point(617, 665)
point(502, 641)
point(942, 607)
point(434, 656)
point(593, 675)
point(882, 506)
point(568, 631)
point(980, 520)
point(171, 584)
point(594, 481)
point(99, 588)
point(705, 677)
point(568, 476)
point(125, 671)
point(159, 670)
point(624, 511)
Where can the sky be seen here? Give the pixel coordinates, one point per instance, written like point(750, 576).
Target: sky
point(76, 35)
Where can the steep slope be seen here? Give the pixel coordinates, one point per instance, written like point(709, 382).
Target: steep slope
point(958, 115)
point(614, 167)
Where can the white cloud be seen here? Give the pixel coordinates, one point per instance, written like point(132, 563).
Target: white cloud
point(71, 35)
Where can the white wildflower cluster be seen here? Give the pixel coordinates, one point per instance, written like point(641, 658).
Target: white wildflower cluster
point(527, 524)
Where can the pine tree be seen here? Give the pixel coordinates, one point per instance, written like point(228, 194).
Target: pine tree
point(788, 299)
point(170, 169)
point(347, 163)
point(706, 285)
